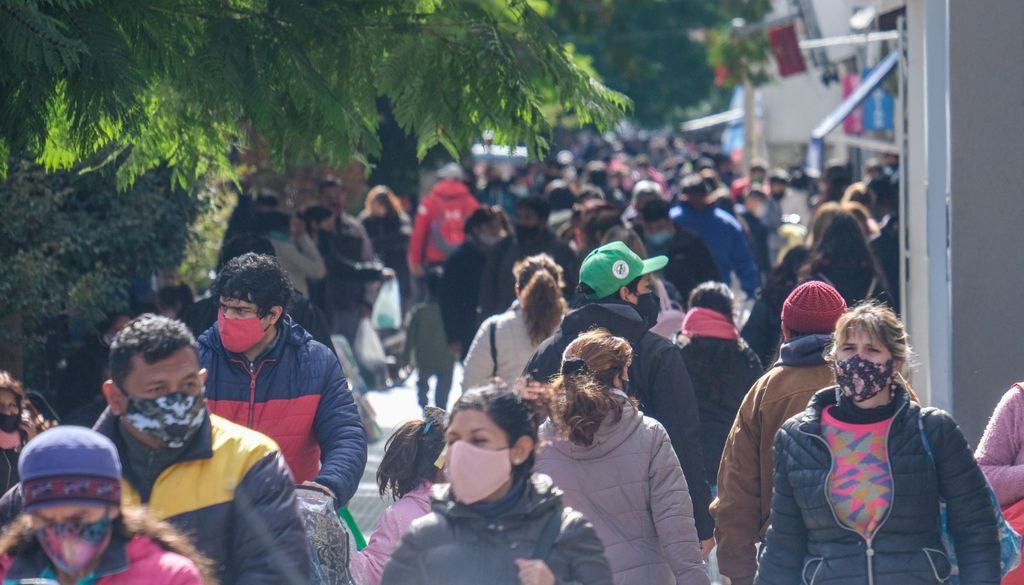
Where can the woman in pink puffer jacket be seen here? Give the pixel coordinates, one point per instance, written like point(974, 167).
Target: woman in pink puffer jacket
point(618, 468)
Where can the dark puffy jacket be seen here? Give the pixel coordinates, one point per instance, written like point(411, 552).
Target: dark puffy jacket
point(460, 294)
point(806, 544)
point(722, 371)
point(296, 394)
point(657, 378)
point(231, 492)
point(498, 282)
point(456, 546)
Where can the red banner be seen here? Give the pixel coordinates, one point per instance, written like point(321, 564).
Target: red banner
point(786, 49)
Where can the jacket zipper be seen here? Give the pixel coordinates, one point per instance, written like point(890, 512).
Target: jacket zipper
point(870, 552)
point(254, 371)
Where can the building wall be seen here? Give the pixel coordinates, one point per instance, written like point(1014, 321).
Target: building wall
point(986, 114)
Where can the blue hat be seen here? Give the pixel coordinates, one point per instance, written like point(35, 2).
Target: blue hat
point(69, 465)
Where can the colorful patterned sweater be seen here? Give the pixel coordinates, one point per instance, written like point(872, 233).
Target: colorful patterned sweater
point(860, 485)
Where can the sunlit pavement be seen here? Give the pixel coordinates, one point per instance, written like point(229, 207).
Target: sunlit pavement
point(393, 408)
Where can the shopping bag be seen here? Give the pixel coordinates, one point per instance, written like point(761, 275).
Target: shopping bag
point(387, 309)
point(1014, 514)
point(329, 540)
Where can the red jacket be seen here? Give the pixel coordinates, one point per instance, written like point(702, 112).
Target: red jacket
point(437, 230)
point(139, 562)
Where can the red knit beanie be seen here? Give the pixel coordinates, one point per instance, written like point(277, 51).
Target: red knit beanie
point(813, 307)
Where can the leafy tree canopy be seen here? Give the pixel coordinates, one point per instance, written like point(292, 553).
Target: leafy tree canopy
point(145, 82)
point(643, 48)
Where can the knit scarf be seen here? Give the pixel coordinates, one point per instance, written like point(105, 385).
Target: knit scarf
point(701, 322)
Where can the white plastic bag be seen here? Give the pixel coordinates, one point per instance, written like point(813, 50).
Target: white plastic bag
point(387, 309)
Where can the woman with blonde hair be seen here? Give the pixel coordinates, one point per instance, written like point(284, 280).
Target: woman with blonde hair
point(860, 474)
point(388, 227)
point(617, 467)
point(505, 342)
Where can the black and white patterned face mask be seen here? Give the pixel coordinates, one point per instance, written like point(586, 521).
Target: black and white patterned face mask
point(171, 419)
point(860, 379)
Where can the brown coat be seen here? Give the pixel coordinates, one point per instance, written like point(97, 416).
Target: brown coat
point(744, 501)
point(745, 476)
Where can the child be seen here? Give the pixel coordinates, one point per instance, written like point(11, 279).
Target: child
point(426, 344)
point(412, 463)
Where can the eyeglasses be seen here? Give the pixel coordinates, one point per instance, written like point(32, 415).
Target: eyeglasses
point(238, 312)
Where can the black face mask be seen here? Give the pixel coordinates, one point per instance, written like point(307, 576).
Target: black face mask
point(649, 305)
point(9, 422)
point(527, 233)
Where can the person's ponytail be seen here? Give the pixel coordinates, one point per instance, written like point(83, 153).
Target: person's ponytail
point(542, 305)
point(584, 389)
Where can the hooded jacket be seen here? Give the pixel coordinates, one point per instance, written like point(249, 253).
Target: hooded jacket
point(657, 378)
point(744, 500)
point(447, 198)
point(230, 490)
point(139, 560)
point(806, 543)
point(455, 545)
point(629, 484)
point(296, 394)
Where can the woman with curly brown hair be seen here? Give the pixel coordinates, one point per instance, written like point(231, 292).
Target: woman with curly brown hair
point(617, 466)
point(19, 423)
point(74, 529)
point(505, 342)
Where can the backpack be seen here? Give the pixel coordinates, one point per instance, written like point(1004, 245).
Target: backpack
point(446, 230)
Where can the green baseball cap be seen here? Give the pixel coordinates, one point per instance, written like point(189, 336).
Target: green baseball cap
point(613, 266)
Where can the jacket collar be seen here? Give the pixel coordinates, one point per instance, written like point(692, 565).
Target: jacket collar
point(620, 318)
point(810, 420)
point(200, 447)
point(33, 562)
point(609, 436)
point(539, 496)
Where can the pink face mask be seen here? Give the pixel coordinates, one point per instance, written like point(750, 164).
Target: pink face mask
point(475, 472)
point(238, 335)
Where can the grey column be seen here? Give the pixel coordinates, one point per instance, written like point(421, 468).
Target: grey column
point(986, 93)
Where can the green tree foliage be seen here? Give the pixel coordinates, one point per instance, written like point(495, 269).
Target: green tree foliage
point(741, 56)
point(70, 241)
point(152, 82)
point(642, 48)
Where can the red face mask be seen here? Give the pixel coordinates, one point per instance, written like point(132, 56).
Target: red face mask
point(238, 335)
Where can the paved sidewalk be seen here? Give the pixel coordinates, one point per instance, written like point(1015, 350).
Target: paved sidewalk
point(393, 407)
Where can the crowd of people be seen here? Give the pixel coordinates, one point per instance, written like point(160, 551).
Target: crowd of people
point(662, 362)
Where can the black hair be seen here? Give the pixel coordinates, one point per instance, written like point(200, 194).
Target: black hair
point(256, 279)
point(480, 217)
point(108, 321)
point(152, 336)
point(316, 214)
point(272, 221)
point(694, 185)
point(655, 210)
point(410, 454)
point(244, 244)
point(178, 295)
point(512, 414)
point(433, 280)
point(713, 295)
point(843, 246)
point(559, 195)
point(633, 286)
point(537, 205)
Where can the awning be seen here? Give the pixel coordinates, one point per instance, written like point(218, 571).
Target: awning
point(725, 117)
point(816, 149)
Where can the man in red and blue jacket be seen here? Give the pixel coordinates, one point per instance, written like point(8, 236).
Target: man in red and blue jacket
point(267, 373)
